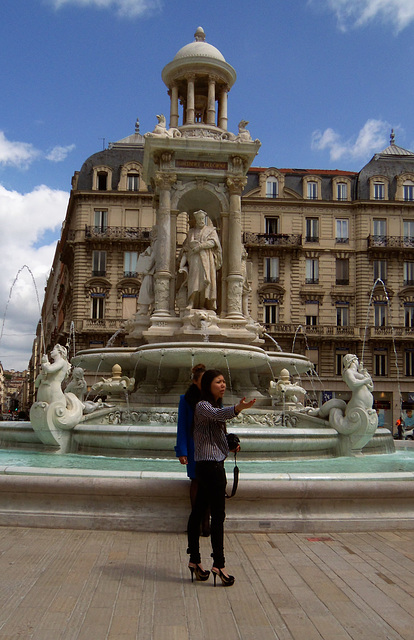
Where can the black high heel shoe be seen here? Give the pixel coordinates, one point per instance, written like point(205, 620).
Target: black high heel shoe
point(227, 581)
point(200, 573)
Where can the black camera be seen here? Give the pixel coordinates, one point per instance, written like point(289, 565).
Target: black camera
point(233, 441)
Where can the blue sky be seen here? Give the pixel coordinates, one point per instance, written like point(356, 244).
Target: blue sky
point(321, 82)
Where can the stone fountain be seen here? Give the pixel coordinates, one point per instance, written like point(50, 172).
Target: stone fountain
point(142, 392)
point(192, 308)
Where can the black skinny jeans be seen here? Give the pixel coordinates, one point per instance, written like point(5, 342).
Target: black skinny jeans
point(211, 492)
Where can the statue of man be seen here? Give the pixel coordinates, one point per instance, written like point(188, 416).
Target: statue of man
point(146, 267)
point(201, 257)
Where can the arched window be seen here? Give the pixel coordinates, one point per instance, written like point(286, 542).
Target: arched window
point(408, 190)
point(272, 187)
point(132, 182)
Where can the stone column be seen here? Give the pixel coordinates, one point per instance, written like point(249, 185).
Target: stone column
point(223, 109)
point(211, 102)
point(174, 107)
point(190, 99)
point(235, 278)
point(173, 230)
point(163, 274)
point(224, 268)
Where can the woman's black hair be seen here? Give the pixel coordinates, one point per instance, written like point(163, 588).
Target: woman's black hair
point(206, 381)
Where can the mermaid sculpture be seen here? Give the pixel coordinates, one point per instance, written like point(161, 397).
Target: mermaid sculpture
point(55, 413)
point(355, 421)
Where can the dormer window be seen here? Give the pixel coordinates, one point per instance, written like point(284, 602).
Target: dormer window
point(102, 178)
point(379, 191)
point(130, 178)
point(312, 188)
point(341, 188)
point(272, 187)
point(272, 183)
point(378, 188)
point(405, 187)
point(312, 191)
point(408, 191)
point(102, 181)
point(133, 182)
point(341, 191)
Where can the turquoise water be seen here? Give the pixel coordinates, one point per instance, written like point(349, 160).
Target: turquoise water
point(401, 461)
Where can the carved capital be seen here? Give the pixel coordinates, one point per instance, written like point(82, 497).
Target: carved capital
point(165, 180)
point(236, 184)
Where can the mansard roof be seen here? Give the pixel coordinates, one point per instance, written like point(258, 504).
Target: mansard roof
point(388, 163)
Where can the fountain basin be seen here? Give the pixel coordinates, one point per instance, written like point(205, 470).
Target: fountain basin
point(272, 443)
point(217, 355)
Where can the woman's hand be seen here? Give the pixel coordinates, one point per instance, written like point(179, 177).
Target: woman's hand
point(183, 459)
point(244, 405)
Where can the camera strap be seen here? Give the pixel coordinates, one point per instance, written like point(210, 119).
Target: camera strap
point(235, 478)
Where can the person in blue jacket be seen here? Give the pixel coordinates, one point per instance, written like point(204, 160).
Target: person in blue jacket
point(184, 449)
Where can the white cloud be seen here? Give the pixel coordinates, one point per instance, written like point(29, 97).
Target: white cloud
point(370, 139)
point(58, 153)
point(24, 219)
point(125, 8)
point(17, 154)
point(23, 154)
point(399, 13)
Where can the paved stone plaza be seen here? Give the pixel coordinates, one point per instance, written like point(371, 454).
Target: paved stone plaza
point(59, 584)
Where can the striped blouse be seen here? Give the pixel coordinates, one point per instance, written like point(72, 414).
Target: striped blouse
point(210, 442)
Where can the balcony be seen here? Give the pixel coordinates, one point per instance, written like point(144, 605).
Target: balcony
point(282, 240)
point(390, 242)
point(118, 233)
point(100, 325)
point(280, 330)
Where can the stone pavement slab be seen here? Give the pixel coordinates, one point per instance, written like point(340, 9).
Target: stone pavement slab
point(59, 584)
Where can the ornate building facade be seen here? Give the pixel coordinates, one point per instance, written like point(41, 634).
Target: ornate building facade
point(323, 260)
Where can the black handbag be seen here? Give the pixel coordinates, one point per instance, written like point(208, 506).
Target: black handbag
point(233, 441)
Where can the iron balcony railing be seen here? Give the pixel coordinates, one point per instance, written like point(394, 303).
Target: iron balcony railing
point(117, 233)
point(390, 242)
point(275, 239)
point(284, 329)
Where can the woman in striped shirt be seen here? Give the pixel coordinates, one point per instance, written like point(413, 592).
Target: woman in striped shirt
point(210, 451)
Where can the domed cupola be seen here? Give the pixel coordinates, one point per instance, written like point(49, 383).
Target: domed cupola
point(199, 78)
point(388, 166)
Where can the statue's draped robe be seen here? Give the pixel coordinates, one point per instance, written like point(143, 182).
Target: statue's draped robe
point(203, 265)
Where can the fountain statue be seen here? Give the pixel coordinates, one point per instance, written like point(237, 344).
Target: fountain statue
point(201, 257)
point(56, 412)
point(117, 386)
point(286, 394)
point(355, 421)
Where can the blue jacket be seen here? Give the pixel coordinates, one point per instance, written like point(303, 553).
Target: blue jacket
point(185, 442)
